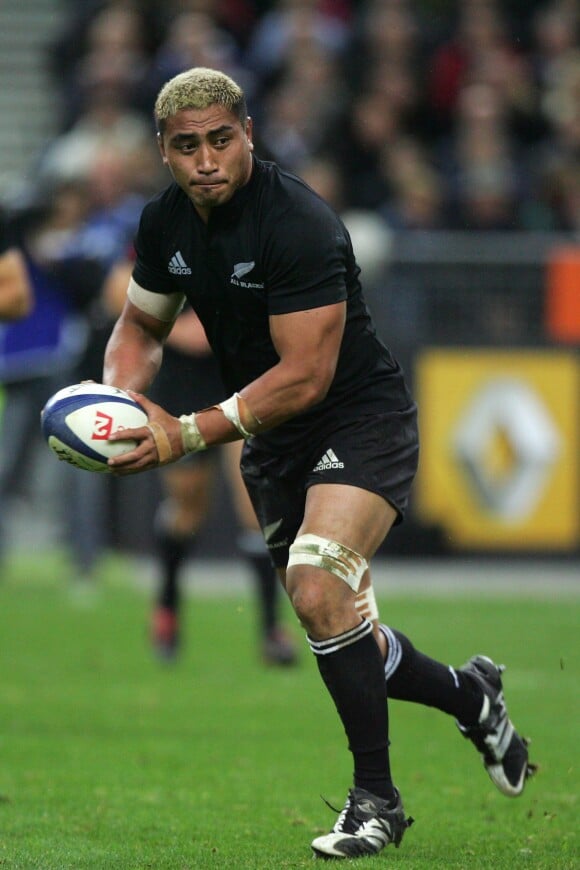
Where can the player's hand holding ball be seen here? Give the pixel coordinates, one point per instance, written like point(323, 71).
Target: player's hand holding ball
point(105, 429)
point(158, 442)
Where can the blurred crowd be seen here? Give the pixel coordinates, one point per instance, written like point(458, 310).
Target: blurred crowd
point(460, 115)
point(424, 114)
point(430, 115)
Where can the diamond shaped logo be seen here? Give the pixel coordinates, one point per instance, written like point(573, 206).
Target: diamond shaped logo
point(506, 443)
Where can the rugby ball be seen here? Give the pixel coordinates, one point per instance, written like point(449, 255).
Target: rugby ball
point(78, 421)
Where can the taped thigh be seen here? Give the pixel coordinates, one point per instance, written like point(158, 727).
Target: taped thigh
point(331, 556)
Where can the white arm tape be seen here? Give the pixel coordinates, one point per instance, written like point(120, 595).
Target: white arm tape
point(191, 437)
point(163, 306)
point(231, 412)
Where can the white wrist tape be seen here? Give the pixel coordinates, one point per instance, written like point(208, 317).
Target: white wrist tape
point(191, 437)
point(231, 412)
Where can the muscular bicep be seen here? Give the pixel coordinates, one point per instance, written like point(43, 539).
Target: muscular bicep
point(310, 340)
point(308, 344)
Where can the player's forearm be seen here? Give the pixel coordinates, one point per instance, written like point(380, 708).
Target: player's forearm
point(270, 400)
point(278, 396)
point(132, 358)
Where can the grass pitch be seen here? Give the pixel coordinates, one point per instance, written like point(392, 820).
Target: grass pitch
point(110, 759)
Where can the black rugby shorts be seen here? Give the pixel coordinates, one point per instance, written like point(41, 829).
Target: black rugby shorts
point(378, 453)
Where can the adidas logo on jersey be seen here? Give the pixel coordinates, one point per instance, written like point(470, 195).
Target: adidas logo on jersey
point(329, 460)
point(178, 266)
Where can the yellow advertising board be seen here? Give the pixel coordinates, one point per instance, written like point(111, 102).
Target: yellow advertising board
point(499, 465)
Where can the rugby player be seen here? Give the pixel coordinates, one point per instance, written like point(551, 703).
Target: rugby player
point(329, 425)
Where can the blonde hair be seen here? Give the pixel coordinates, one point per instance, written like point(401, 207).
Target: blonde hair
point(199, 88)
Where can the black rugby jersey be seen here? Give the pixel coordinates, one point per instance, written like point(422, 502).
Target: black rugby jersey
point(274, 248)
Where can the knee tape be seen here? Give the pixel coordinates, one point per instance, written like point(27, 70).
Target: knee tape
point(330, 556)
point(366, 604)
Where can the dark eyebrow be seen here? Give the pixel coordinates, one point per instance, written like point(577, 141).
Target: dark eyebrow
point(187, 137)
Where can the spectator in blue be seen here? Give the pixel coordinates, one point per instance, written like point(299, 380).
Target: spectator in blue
point(39, 352)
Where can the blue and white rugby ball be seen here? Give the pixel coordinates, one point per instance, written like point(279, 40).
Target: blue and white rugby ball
point(78, 421)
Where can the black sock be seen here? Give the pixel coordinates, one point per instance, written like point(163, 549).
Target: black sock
point(172, 550)
point(267, 584)
point(352, 669)
point(413, 676)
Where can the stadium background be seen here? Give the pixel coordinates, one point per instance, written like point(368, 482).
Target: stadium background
point(447, 135)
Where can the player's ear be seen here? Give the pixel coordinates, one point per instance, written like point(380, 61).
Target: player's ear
point(161, 148)
point(249, 132)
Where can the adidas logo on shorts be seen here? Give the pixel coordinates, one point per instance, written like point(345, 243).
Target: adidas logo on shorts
point(329, 460)
point(178, 266)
